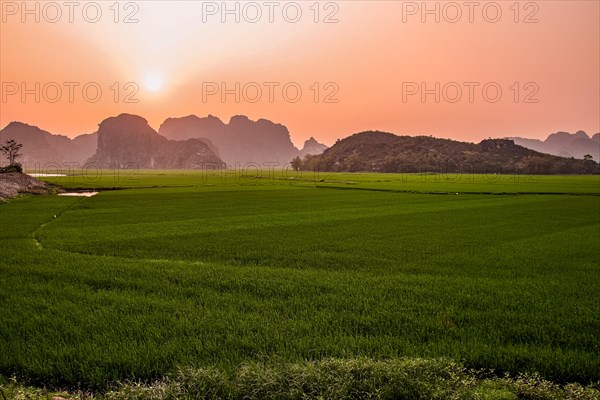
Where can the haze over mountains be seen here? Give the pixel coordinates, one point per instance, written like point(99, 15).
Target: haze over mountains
point(193, 142)
point(564, 144)
point(311, 146)
point(127, 141)
point(241, 141)
point(45, 148)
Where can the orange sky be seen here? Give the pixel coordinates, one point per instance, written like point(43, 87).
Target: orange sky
point(374, 49)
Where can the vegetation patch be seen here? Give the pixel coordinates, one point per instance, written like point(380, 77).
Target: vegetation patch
point(360, 378)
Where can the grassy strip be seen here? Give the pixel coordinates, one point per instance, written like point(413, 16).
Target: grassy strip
point(178, 277)
point(361, 378)
point(415, 183)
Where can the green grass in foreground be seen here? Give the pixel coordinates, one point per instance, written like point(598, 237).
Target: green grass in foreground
point(422, 182)
point(330, 379)
point(135, 284)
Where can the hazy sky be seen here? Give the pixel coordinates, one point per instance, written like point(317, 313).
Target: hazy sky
point(373, 57)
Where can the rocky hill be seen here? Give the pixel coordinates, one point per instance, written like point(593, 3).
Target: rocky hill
point(386, 152)
point(312, 147)
point(240, 141)
point(127, 141)
point(15, 183)
point(564, 144)
point(45, 149)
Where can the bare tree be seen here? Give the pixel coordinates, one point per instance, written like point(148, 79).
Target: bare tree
point(11, 150)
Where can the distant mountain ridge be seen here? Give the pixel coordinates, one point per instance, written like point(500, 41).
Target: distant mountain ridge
point(47, 149)
point(387, 152)
point(312, 147)
point(564, 144)
point(241, 140)
point(245, 141)
point(127, 141)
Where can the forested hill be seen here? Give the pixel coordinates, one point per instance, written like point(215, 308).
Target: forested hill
point(387, 152)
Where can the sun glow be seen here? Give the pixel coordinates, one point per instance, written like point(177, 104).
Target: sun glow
point(153, 82)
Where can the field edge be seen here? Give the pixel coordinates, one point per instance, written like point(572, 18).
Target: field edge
point(357, 378)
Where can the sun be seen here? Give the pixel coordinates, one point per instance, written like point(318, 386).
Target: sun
point(153, 82)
